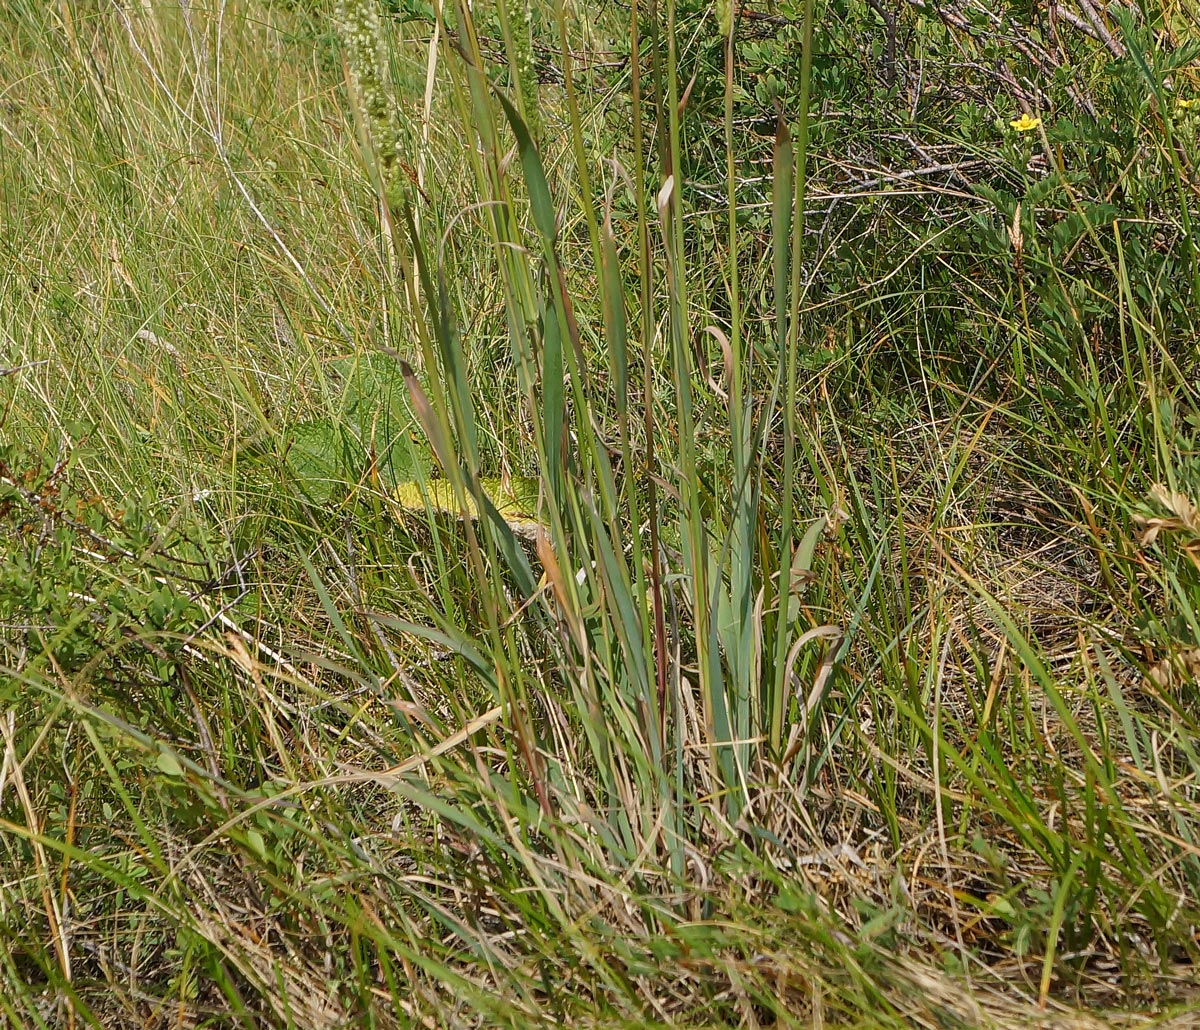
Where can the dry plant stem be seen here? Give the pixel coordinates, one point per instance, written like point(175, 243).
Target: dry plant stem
point(1101, 30)
point(951, 887)
point(12, 771)
point(647, 334)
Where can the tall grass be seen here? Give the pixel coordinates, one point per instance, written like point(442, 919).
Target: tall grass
point(458, 572)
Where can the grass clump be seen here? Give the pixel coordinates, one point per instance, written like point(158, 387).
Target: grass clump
point(671, 516)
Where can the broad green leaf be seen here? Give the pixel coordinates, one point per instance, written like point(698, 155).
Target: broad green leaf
point(515, 499)
point(169, 765)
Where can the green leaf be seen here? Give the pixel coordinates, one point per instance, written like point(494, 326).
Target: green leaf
point(257, 844)
point(169, 765)
point(515, 499)
point(313, 456)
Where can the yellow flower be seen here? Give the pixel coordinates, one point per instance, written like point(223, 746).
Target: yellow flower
point(1025, 123)
point(1187, 105)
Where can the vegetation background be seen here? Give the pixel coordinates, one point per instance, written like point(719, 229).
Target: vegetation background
point(602, 514)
